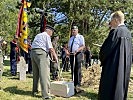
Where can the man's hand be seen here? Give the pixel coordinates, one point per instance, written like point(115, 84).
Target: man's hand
point(55, 60)
point(75, 52)
point(55, 57)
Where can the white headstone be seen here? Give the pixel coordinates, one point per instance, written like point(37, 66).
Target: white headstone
point(22, 67)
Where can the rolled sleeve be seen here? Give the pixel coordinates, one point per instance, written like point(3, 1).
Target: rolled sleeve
point(82, 41)
point(49, 43)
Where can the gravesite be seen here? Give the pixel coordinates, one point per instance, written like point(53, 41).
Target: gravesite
point(66, 50)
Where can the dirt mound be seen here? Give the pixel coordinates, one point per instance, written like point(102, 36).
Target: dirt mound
point(91, 75)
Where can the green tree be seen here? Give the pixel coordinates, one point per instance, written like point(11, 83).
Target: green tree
point(8, 20)
point(90, 16)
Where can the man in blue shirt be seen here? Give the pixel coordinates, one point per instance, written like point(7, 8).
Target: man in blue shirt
point(76, 45)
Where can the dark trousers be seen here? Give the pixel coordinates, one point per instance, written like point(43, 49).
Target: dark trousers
point(13, 64)
point(65, 63)
point(88, 61)
point(54, 70)
point(76, 68)
point(29, 65)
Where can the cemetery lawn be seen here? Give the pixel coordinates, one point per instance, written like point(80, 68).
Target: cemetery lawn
point(14, 89)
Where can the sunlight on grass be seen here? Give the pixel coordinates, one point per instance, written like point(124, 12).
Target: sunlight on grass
point(14, 89)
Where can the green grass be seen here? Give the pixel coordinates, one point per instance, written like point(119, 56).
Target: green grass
point(14, 89)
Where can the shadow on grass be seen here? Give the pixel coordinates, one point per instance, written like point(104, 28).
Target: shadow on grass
point(6, 73)
point(6, 62)
point(131, 78)
point(14, 78)
point(89, 95)
point(15, 90)
point(29, 76)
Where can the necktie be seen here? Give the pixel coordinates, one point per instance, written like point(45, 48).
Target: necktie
point(72, 45)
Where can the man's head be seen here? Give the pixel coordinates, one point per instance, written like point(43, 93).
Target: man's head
point(50, 30)
point(74, 30)
point(117, 18)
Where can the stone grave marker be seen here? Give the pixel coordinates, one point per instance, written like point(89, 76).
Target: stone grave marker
point(22, 67)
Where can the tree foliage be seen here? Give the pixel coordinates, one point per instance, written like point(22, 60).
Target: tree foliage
point(8, 20)
point(91, 16)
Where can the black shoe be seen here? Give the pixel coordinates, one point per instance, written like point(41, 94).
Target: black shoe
point(68, 70)
point(75, 91)
point(63, 70)
point(34, 93)
point(13, 74)
point(28, 72)
point(78, 89)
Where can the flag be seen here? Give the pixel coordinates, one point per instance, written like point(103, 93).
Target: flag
point(22, 28)
point(43, 23)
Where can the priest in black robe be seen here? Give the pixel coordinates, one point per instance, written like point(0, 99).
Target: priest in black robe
point(116, 59)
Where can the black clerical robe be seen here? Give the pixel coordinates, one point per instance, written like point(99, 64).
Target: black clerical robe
point(116, 59)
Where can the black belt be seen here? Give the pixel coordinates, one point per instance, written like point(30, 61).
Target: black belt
point(40, 49)
point(71, 53)
point(36, 48)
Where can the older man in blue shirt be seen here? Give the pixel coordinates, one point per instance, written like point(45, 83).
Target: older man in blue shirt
point(76, 45)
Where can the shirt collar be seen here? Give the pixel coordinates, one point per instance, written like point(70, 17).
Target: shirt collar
point(76, 35)
point(121, 24)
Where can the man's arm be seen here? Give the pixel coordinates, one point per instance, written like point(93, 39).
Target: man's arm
point(81, 48)
point(52, 51)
